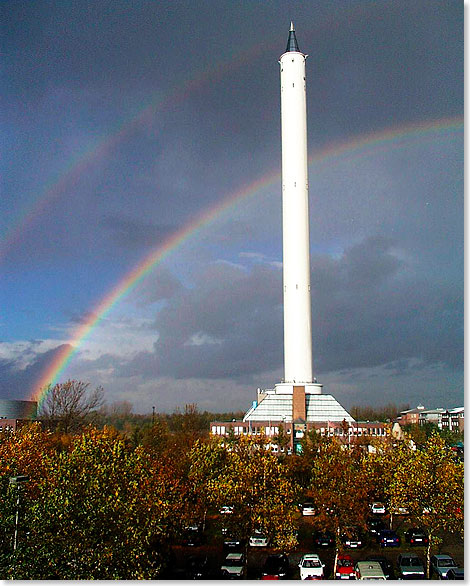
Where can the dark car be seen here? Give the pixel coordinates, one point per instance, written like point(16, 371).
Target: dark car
point(386, 566)
point(276, 567)
point(375, 526)
point(388, 538)
point(323, 538)
point(193, 536)
point(197, 567)
point(353, 538)
point(416, 536)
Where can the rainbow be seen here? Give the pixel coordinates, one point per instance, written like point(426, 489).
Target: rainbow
point(97, 150)
point(358, 146)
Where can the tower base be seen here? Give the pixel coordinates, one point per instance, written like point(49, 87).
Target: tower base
point(289, 402)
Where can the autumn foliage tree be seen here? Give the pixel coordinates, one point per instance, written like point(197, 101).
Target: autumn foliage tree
point(430, 484)
point(253, 480)
point(339, 488)
point(98, 510)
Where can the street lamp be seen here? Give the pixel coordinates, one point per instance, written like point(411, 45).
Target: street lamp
point(17, 481)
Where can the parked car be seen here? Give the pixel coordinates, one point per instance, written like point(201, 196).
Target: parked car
point(197, 567)
point(400, 510)
point(276, 567)
point(193, 534)
point(388, 538)
point(386, 566)
point(193, 537)
point(258, 539)
point(234, 566)
point(226, 510)
point(441, 564)
point(455, 574)
point(377, 508)
point(375, 526)
point(410, 566)
point(352, 538)
point(311, 566)
point(307, 509)
point(416, 536)
point(323, 538)
point(345, 567)
point(369, 571)
point(234, 543)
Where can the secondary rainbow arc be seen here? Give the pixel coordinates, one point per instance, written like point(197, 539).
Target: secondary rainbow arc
point(335, 151)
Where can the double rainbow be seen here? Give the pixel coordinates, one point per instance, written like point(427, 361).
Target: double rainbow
point(358, 146)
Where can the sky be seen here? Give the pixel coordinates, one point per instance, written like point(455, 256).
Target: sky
point(141, 202)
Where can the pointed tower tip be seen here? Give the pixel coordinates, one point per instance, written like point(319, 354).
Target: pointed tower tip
point(292, 40)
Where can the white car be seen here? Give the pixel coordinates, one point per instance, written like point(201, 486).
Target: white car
point(234, 565)
point(258, 539)
point(378, 508)
point(226, 510)
point(307, 509)
point(311, 566)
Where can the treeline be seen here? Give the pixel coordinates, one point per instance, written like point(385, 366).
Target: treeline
point(72, 405)
point(175, 422)
point(388, 412)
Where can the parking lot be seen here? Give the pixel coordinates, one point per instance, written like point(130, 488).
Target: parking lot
point(212, 548)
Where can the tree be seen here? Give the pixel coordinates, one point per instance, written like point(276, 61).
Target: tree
point(430, 484)
point(339, 488)
point(68, 406)
point(381, 466)
point(251, 478)
point(101, 510)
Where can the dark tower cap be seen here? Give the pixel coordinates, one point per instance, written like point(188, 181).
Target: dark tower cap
point(292, 41)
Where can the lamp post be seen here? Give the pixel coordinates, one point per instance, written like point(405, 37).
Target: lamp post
point(17, 481)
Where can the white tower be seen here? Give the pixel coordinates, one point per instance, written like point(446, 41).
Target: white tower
point(295, 218)
point(299, 399)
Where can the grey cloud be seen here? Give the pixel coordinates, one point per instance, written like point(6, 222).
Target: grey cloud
point(18, 383)
point(236, 317)
point(369, 309)
point(161, 284)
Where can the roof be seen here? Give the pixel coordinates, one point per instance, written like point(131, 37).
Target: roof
point(278, 407)
point(292, 44)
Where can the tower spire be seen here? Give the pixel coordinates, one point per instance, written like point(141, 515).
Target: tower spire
point(292, 40)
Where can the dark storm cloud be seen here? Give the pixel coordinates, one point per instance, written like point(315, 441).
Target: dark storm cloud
point(369, 309)
point(161, 284)
point(228, 325)
point(18, 383)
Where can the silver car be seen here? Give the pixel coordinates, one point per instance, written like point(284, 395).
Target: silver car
point(441, 564)
point(409, 564)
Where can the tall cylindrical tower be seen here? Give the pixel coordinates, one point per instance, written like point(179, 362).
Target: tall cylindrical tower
point(295, 218)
